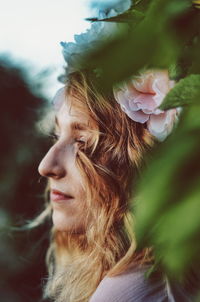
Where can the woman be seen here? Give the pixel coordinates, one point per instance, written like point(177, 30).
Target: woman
point(91, 168)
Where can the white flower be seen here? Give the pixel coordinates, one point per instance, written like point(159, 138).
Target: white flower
point(85, 42)
point(140, 98)
point(105, 5)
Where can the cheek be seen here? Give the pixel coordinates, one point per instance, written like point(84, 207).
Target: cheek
point(71, 217)
point(75, 177)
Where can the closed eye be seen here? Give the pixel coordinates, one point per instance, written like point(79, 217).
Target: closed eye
point(81, 143)
point(54, 137)
point(79, 140)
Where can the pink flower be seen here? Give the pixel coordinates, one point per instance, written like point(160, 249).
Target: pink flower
point(140, 98)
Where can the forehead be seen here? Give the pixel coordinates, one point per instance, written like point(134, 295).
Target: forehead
point(68, 116)
point(69, 110)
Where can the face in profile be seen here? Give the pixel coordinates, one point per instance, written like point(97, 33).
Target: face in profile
point(67, 194)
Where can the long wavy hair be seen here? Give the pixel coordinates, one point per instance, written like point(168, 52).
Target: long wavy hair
point(109, 165)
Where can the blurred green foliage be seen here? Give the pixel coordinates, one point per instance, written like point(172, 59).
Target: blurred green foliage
point(169, 197)
point(164, 34)
point(186, 92)
point(21, 253)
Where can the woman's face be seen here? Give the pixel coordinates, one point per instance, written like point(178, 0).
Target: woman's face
point(67, 194)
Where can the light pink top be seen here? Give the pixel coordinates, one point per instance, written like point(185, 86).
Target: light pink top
point(135, 286)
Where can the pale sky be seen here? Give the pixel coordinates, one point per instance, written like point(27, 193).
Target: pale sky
point(31, 30)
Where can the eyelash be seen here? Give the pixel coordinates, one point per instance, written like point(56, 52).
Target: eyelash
point(55, 138)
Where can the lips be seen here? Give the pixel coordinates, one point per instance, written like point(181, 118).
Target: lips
point(58, 196)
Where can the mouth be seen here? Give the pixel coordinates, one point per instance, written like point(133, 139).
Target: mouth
point(58, 196)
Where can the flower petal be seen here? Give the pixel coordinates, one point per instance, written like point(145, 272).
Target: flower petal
point(144, 102)
point(161, 125)
point(138, 116)
point(161, 82)
point(122, 99)
point(144, 82)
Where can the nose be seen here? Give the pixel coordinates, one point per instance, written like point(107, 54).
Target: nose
point(51, 165)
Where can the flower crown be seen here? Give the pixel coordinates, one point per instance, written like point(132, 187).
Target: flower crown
point(138, 97)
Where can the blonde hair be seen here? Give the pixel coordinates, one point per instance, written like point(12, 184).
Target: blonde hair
point(109, 165)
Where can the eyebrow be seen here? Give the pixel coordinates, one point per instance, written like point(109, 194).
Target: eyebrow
point(74, 125)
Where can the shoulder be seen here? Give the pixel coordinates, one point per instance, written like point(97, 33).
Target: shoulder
point(133, 286)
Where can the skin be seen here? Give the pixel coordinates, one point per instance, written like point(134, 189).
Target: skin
point(67, 195)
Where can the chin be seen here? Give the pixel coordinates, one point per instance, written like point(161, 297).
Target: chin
point(63, 223)
point(60, 221)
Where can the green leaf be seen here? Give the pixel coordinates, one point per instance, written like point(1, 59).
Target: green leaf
point(151, 44)
point(168, 198)
point(194, 54)
point(196, 3)
point(141, 5)
point(177, 231)
point(185, 92)
point(191, 119)
point(125, 56)
point(156, 188)
point(168, 8)
point(131, 16)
